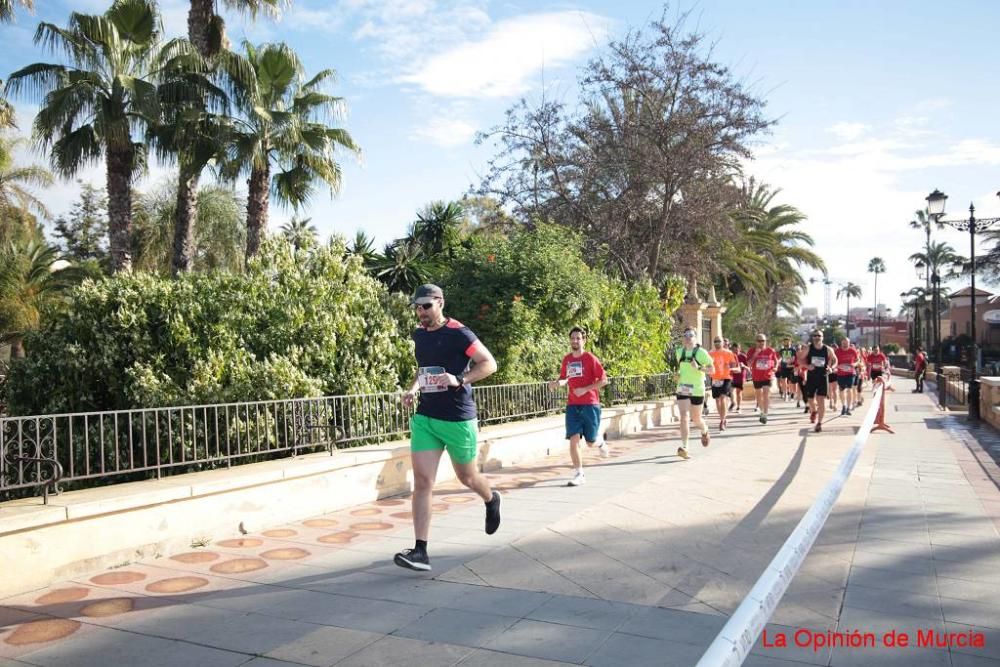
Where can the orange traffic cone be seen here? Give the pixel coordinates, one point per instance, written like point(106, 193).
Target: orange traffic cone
point(880, 424)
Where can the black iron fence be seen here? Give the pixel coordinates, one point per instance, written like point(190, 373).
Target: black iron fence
point(45, 453)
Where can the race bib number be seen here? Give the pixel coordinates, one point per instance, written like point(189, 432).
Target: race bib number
point(763, 364)
point(876, 367)
point(432, 379)
point(845, 368)
point(574, 369)
point(819, 362)
point(718, 383)
point(685, 389)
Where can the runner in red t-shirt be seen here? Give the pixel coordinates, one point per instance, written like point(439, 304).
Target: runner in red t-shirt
point(738, 373)
point(847, 368)
point(763, 361)
point(919, 369)
point(878, 364)
point(584, 374)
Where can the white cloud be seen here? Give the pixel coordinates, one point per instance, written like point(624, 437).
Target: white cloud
point(303, 18)
point(848, 131)
point(407, 31)
point(446, 131)
point(514, 50)
point(859, 197)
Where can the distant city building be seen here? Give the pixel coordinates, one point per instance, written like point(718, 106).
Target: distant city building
point(809, 314)
point(865, 311)
point(956, 319)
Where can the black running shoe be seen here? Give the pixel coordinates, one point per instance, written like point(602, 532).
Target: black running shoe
point(413, 559)
point(493, 514)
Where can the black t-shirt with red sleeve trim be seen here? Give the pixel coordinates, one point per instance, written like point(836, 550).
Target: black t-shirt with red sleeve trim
point(450, 347)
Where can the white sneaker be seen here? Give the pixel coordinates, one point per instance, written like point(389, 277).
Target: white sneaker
point(579, 479)
point(604, 449)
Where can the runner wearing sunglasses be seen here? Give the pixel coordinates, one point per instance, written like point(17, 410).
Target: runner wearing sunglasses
point(820, 359)
point(449, 359)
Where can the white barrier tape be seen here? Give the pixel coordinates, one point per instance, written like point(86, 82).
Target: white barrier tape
point(736, 639)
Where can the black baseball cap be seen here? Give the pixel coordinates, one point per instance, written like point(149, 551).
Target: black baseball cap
point(426, 292)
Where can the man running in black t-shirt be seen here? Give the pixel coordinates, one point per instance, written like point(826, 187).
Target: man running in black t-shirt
point(820, 359)
point(449, 359)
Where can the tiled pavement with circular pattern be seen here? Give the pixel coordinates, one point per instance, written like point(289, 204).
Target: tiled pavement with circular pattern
point(59, 613)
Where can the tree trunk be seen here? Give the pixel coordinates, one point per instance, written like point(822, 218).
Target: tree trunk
point(200, 17)
point(185, 221)
point(17, 348)
point(119, 180)
point(259, 190)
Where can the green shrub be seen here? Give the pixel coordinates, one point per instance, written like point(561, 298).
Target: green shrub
point(295, 324)
point(522, 293)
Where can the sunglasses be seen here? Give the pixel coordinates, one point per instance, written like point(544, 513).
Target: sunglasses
point(424, 306)
point(761, 340)
point(817, 336)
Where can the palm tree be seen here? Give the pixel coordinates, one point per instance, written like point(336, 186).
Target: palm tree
point(16, 182)
point(849, 290)
point(363, 246)
point(7, 8)
point(923, 221)
point(403, 267)
point(221, 231)
point(876, 265)
point(195, 128)
point(207, 30)
point(938, 255)
point(285, 127)
point(438, 228)
point(19, 205)
point(990, 263)
point(31, 278)
point(299, 232)
point(766, 260)
point(6, 16)
point(7, 118)
point(94, 106)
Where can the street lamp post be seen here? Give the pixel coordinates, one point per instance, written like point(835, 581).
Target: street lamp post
point(936, 306)
point(935, 208)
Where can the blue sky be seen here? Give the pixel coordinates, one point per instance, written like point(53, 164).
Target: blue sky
point(879, 102)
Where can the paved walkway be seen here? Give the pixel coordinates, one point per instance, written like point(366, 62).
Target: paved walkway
point(639, 567)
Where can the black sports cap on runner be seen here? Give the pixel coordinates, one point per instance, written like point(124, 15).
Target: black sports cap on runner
point(426, 292)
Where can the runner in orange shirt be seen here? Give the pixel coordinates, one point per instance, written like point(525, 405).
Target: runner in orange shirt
point(723, 362)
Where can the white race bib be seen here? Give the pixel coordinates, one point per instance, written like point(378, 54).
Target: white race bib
point(876, 367)
point(845, 368)
point(574, 369)
point(718, 383)
point(763, 364)
point(685, 389)
point(819, 362)
point(432, 379)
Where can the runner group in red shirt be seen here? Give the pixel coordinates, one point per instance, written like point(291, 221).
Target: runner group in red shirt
point(811, 374)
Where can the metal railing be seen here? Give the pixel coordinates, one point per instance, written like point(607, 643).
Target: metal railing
point(953, 390)
point(47, 452)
